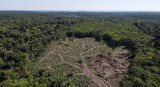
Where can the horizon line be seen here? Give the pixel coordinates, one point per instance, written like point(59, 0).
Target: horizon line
point(78, 11)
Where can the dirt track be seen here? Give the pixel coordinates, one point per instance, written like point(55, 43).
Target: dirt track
point(88, 73)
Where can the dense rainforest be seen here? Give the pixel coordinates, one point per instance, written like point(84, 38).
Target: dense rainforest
point(25, 35)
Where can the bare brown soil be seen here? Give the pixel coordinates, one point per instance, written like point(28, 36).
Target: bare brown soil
point(111, 67)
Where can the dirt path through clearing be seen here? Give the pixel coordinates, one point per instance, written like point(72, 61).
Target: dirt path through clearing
point(62, 59)
point(88, 73)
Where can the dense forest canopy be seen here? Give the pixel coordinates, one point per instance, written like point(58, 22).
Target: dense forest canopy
point(24, 36)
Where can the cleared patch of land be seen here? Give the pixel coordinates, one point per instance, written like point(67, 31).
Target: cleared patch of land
point(85, 61)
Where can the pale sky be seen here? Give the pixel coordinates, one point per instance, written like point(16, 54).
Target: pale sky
point(81, 5)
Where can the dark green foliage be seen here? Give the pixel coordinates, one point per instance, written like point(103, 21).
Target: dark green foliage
point(157, 42)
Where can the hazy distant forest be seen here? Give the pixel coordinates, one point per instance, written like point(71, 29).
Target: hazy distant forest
point(79, 49)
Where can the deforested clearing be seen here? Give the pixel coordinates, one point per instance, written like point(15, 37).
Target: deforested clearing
point(85, 61)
